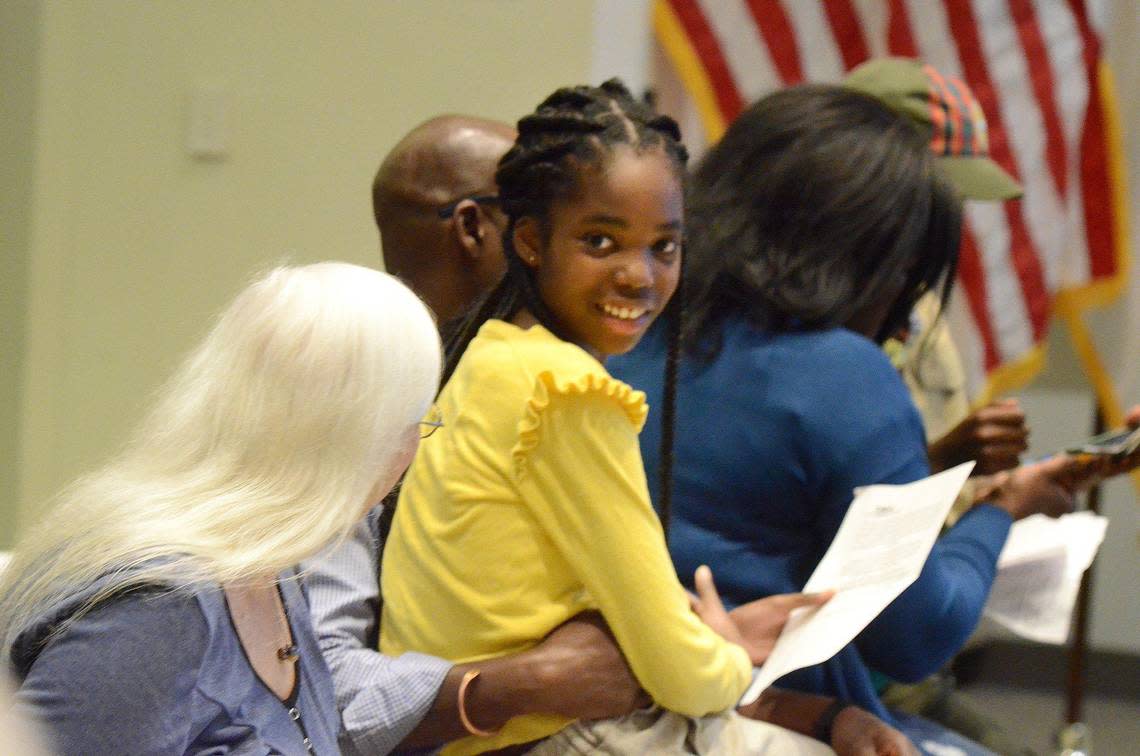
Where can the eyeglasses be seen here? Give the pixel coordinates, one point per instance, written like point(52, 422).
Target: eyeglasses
point(431, 423)
point(483, 199)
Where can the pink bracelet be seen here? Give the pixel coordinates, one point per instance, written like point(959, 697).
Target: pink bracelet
point(461, 704)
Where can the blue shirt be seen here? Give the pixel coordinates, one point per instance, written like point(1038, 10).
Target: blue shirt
point(161, 672)
point(772, 436)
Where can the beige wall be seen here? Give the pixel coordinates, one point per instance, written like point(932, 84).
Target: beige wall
point(133, 244)
point(18, 23)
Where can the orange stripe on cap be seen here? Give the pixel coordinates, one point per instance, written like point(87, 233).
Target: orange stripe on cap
point(937, 112)
point(958, 116)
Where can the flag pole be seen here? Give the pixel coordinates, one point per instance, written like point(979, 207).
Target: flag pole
point(1075, 733)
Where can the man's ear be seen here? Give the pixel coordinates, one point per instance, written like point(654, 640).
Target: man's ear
point(528, 241)
point(467, 226)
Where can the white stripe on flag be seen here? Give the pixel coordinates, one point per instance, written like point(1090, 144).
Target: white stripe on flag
point(932, 37)
point(819, 54)
point(1005, 303)
point(1066, 50)
point(1041, 206)
point(873, 18)
point(743, 48)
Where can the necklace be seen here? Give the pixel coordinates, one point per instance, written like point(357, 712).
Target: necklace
point(291, 654)
point(269, 643)
point(288, 652)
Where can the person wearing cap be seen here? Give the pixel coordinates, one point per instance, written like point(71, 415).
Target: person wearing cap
point(814, 225)
point(945, 111)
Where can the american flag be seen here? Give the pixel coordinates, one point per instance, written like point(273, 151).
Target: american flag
point(1035, 67)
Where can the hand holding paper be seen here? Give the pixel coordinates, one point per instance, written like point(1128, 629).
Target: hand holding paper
point(877, 553)
point(756, 625)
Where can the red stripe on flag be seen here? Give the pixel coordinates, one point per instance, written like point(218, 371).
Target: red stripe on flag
point(1096, 193)
point(973, 279)
point(964, 29)
point(1096, 186)
point(900, 39)
point(1090, 49)
point(776, 29)
point(707, 46)
point(847, 31)
point(1041, 77)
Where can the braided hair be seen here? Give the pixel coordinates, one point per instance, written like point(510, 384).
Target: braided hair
point(571, 130)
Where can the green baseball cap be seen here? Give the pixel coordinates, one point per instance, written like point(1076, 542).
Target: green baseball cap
point(945, 108)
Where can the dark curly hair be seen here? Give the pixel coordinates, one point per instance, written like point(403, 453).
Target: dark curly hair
point(818, 204)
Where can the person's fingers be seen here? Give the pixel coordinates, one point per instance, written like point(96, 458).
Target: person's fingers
point(694, 601)
point(707, 596)
point(990, 465)
point(1054, 466)
point(789, 601)
point(1005, 412)
point(1010, 418)
point(993, 459)
point(991, 434)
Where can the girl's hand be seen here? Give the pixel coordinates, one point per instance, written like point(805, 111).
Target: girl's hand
point(756, 625)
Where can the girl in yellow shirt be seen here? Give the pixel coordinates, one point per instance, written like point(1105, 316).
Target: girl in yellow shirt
point(530, 504)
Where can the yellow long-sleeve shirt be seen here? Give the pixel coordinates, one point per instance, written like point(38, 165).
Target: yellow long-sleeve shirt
point(529, 506)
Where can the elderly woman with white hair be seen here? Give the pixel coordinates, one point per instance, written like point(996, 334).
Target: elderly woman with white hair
point(155, 608)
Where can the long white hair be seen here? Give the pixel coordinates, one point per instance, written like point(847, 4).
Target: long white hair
point(261, 450)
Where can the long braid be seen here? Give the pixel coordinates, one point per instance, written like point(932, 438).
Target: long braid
point(674, 317)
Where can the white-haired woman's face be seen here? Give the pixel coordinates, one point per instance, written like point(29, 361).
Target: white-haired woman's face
point(409, 442)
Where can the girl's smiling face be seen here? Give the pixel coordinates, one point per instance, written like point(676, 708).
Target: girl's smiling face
point(609, 256)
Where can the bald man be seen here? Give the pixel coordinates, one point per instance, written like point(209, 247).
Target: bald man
point(435, 205)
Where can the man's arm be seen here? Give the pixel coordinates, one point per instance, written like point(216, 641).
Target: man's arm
point(411, 700)
point(380, 699)
point(577, 671)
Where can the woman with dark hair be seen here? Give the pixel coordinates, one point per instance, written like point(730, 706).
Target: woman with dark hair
point(813, 228)
point(819, 209)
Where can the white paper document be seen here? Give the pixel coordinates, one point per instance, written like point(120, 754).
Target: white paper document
point(1039, 574)
point(878, 551)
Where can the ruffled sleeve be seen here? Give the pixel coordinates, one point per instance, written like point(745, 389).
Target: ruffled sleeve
point(578, 471)
point(548, 385)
